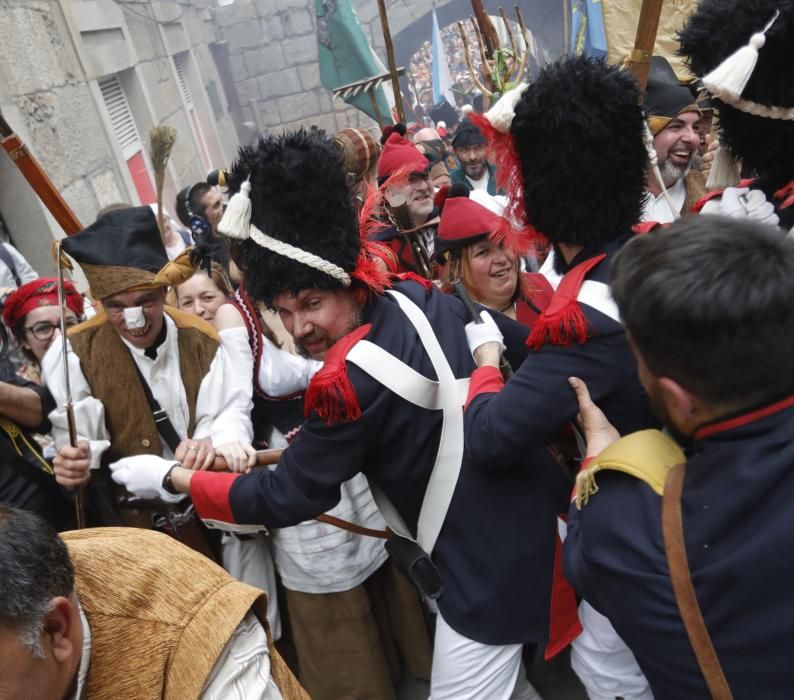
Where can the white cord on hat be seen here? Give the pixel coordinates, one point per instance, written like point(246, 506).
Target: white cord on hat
point(299, 255)
point(236, 223)
point(653, 158)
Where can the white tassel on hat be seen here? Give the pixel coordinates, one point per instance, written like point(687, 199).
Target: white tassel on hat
point(729, 79)
point(236, 220)
point(724, 171)
point(502, 113)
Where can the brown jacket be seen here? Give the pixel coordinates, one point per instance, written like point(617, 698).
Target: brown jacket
point(160, 615)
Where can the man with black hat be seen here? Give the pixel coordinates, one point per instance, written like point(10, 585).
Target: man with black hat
point(471, 149)
point(741, 53)
point(386, 402)
point(673, 117)
point(584, 194)
point(146, 379)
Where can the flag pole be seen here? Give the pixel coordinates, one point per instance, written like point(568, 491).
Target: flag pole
point(639, 61)
point(395, 79)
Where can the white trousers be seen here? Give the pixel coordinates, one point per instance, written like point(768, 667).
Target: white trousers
point(467, 670)
point(250, 561)
point(603, 662)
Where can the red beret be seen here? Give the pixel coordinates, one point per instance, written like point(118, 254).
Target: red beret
point(39, 292)
point(463, 221)
point(399, 152)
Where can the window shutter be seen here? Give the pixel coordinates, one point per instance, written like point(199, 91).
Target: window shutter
point(121, 118)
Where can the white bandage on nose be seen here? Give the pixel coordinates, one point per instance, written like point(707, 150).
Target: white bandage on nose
point(133, 318)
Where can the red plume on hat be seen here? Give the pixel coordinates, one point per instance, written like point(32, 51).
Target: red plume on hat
point(514, 232)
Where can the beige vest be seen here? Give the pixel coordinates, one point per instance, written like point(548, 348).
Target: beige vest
point(160, 615)
point(109, 370)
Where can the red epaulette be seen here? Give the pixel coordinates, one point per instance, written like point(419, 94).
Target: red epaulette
point(563, 322)
point(717, 193)
point(330, 393)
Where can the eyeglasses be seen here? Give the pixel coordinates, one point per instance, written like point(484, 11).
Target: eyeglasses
point(44, 329)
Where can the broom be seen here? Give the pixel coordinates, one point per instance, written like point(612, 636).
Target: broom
point(161, 141)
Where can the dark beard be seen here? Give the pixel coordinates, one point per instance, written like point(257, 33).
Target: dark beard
point(301, 350)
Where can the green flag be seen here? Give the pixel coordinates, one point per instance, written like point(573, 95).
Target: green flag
point(345, 55)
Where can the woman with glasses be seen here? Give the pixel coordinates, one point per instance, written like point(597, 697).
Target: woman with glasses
point(32, 314)
point(26, 475)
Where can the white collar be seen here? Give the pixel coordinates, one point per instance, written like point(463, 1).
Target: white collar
point(656, 208)
point(85, 658)
point(170, 337)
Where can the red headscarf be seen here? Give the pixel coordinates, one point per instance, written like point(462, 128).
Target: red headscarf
point(40, 292)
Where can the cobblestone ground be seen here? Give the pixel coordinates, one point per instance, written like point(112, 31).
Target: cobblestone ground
point(553, 680)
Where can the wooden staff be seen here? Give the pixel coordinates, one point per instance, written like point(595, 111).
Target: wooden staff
point(639, 60)
point(395, 79)
point(38, 180)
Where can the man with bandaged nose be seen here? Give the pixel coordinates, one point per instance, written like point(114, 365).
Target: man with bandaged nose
point(146, 379)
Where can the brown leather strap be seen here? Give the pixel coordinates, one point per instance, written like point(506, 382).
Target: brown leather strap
point(352, 527)
point(674, 547)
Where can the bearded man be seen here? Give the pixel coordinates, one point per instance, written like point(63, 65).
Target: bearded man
point(387, 402)
point(674, 119)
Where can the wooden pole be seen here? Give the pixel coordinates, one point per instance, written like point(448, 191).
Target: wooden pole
point(374, 102)
point(566, 27)
point(487, 29)
point(395, 79)
point(639, 61)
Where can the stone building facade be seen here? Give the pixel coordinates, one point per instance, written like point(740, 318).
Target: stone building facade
point(82, 82)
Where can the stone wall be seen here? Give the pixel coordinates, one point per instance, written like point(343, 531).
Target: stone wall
point(46, 99)
point(53, 52)
point(273, 55)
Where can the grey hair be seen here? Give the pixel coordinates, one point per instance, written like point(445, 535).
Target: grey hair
point(34, 568)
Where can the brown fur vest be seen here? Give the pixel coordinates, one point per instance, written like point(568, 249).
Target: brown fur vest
point(160, 615)
point(109, 370)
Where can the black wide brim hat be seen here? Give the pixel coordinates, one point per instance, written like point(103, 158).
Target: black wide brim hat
point(123, 251)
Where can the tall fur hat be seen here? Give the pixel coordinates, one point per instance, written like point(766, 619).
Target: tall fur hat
point(303, 230)
point(716, 30)
point(578, 134)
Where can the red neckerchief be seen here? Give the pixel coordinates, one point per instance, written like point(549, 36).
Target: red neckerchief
point(330, 393)
point(563, 322)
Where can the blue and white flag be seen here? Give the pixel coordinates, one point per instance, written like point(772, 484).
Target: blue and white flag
point(442, 82)
point(588, 35)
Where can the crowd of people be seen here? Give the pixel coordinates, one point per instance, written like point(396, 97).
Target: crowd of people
point(431, 406)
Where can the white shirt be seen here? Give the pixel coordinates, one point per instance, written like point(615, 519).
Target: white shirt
point(241, 671)
point(481, 184)
point(312, 557)
point(657, 208)
point(222, 411)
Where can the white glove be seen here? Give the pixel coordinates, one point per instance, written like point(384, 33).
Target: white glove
point(143, 476)
point(743, 203)
point(478, 334)
point(240, 456)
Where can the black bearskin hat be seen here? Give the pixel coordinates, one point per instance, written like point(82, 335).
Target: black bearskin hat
point(299, 196)
point(715, 31)
point(578, 132)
